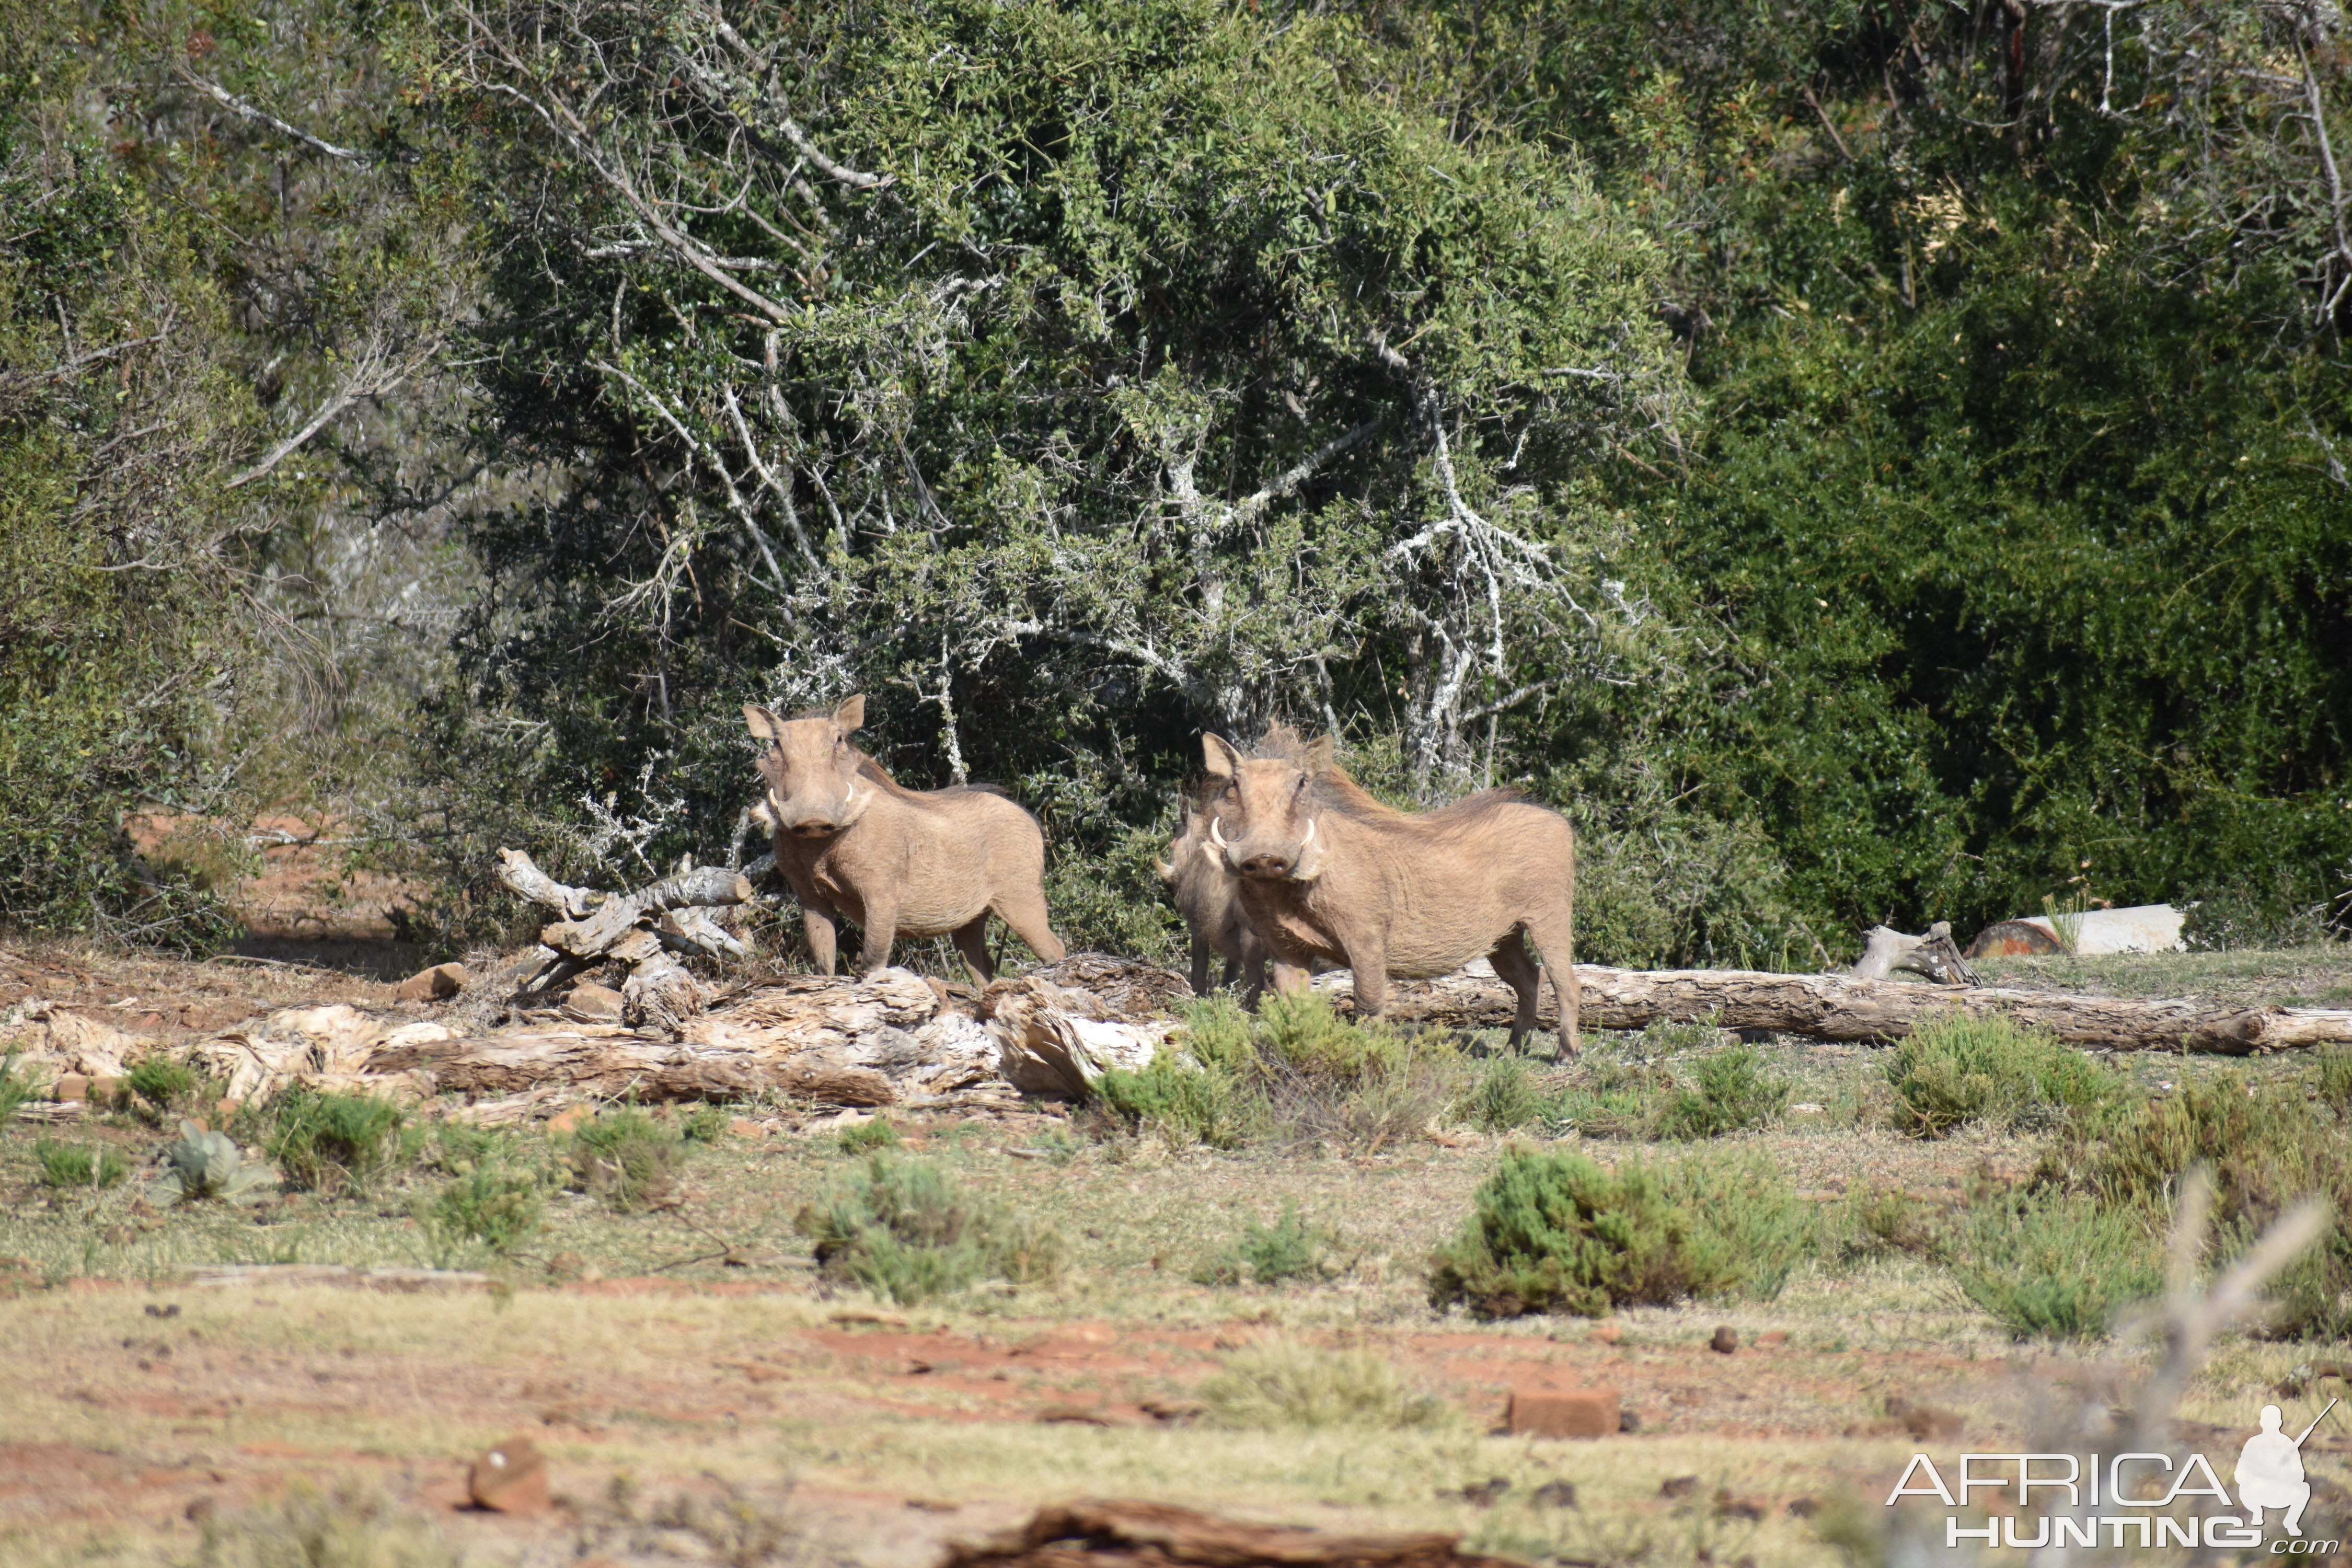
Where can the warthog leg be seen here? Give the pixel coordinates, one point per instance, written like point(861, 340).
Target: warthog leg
point(880, 927)
point(824, 928)
point(1553, 932)
point(1023, 908)
point(1201, 967)
point(971, 941)
point(1518, 971)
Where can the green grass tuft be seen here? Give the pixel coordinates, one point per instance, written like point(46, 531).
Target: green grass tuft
point(2055, 1265)
point(1731, 1090)
point(331, 1143)
point(493, 1207)
point(1281, 1384)
point(628, 1158)
point(903, 1230)
point(868, 1136)
point(69, 1165)
point(1289, 1248)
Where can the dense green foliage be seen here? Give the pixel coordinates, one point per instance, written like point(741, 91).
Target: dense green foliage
point(905, 1231)
point(1874, 461)
point(1553, 1232)
point(1954, 1070)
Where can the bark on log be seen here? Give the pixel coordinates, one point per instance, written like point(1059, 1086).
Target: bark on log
point(1120, 1534)
point(1840, 1007)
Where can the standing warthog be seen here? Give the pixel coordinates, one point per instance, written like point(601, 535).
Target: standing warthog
point(1209, 896)
point(853, 841)
point(1328, 873)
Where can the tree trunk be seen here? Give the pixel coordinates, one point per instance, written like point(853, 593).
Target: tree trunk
point(1841, 1007)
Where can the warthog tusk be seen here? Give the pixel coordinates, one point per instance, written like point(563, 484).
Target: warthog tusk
point(1217, 837)
point(1301, 871)
point(853, 807)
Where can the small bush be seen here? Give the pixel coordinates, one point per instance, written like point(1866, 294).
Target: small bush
point(1730, 1091)
point(705, 1123)
point(1303, 1033)
point(627, 1158)
point(2267, 1153)
point(68, 1165)
point(1612, 1095)
point(1185, 1100)
point(1882, 1220)
point(868, 1136)
point(1504, 1098)
point(2055, 1265)
point(1954, 1070)
point(1289, 1248)
point(160, 1084)
point(1280, 1384)
point(1554, 1232)
point(901, 1229)
point(490, 1205)
point(330, 1141)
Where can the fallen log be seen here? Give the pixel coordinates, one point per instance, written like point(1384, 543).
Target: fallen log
point(1841, 1007)
point(1118, 1534)
point(639, 930)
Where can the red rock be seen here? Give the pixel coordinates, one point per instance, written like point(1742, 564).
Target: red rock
point(1562, 1413)
point(1610, 1333)
point(227, 1108)
point(72, 1086)
point(568, 1118)
point(510, 1477)
point(593, 1003)
point(438, 984)
point(105, 1091)
point(744, 1127)
point(1725, 1340)
point(1772, 1337)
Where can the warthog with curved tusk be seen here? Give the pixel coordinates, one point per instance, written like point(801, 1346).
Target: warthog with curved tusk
point(1208, 895)
point(853, 841)
point(1328, 873)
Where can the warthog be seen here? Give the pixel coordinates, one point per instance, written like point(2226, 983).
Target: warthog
point(1328, 873)
point(853, 841)
point(1209, 896)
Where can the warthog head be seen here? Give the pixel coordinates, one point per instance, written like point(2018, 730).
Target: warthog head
point(1262, 811)
point(811, 770)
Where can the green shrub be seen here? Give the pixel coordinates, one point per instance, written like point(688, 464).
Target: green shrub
point(1742, 1202)
point(1289, 1248)
point(330, 1141)
point(1611, 1094)
point(68, 1165)
point(1553, 1232)
point(160, 1084)
point(1954, 1070)
point(2267, 1151)
point(1730, 1091)
point(1504, 1096)
point(490, 1205)
point(1303, 1033)
point(1217, 1033)
point(1279, 1383)
point(1880, 1220)
point(2056, 1265)
point(456, 1148)
point(868, 1136)
point(627, 1157)
point(901, 1229)
point(704, 1123)
point(1556, 1233)
point(1186, 1101)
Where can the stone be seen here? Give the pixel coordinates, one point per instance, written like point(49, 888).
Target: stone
point(1773, 1337)
point(509, 1479)
point(1804, 1507)
point(72, 1086)
point(570, 1118)
point(1554, 1494)
point(593, 1003)
point(438, 984)
point(744, 1127)
point(1678, 1486)
point(227, 1110)
point(1730, 1507)
point(1562, 1413)
point(1725, 1340)
point(1610, 1333)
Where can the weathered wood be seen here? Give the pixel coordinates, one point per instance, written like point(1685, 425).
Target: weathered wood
point(519, 873)
point(659, 994)
point(1841, 1007)
point(878, 1041)
point(594, 936)
point(1934, 956)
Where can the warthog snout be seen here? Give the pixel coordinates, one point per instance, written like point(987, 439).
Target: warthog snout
point(1280, 841)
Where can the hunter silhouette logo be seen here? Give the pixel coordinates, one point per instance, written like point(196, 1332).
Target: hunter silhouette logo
point(2133, 1499)
point(2270, 1471)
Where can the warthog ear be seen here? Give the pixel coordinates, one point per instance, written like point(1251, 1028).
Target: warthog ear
point(851, 714)
point(765, 724)
point(1218, 754)
point(1317, 760)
